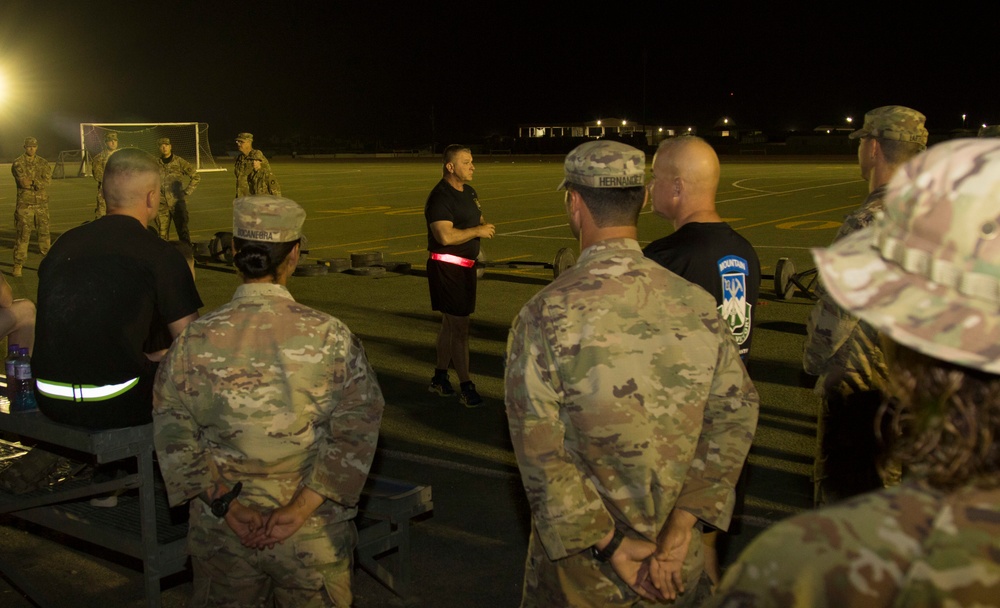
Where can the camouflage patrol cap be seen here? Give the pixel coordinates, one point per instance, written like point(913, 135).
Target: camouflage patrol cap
point(604, 164)
point(255, 155)
point(244, 137)
point(112, 136)
point(163, 140)
point(989, 131)
point(894, 122)
point(30, 141)
point(927, 271)
point(269, 219)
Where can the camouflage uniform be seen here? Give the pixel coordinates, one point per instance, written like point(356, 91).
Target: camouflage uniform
point(926, 274)
point(97, 166)
point(910, 545)
point(173, 196)
point(626, 399)
point(32, 175)
point(845, 352)
point(244, 166)
point(261, 181)
point(276, 395)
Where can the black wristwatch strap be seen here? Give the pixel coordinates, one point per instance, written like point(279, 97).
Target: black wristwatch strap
point(604, 555)
point(220, 506)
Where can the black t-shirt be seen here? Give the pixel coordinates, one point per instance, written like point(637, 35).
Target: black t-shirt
point(461, 209)
point(722, 262)
point(103, 289)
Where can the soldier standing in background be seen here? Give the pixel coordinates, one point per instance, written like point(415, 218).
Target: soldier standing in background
point(32, 174)
point(110, 145)
point(844, 351)
point(925, 275)
point(174, 171)
point(278, 454)
point(630, 412)
point(261, 180)
point(244, 141)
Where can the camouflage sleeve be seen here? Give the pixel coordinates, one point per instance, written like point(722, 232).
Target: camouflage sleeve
point(97, 167)
point(44, 176)
point(189, 170)
point(20, 175)
point(828, 329)
point(186, 463)
point(345, 456)
point(730, 421)
point(566, 509)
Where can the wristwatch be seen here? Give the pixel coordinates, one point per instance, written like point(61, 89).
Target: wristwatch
point(604, 555)
point(220, 506)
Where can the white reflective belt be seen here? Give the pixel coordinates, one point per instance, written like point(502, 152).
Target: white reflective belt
point(83, 392)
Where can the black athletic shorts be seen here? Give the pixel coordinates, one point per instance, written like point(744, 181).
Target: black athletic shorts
point(453, 288)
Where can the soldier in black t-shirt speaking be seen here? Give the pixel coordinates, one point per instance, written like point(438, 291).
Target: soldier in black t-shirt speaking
point(454, 226)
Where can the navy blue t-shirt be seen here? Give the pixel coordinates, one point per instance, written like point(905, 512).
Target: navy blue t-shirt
point(461, 209)
point(717, 258)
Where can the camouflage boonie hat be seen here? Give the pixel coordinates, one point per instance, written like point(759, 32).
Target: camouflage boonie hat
point(894, 122)
point(269, 219)
point(255, 155)
point(111, 136)
point(163, 140)
point(927, 271)
point(989, 131)
point(604, 164)
point(244, 137)
point(30, 141)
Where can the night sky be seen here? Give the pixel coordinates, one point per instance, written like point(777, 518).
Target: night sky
point(412, 73)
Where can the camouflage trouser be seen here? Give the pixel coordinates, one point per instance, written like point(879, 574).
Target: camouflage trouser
point(848, 451)
point(102, 206)
point(173, 211)
point(581, 581)
point(30, 216)
point(311, 569)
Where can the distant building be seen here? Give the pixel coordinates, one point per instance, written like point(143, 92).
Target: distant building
point(616, 128)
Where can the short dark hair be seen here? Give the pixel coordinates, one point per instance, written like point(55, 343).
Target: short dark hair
point(612, 206)
point(122, 167)
point(452, 151)
point(898, 152)
point(256, 260)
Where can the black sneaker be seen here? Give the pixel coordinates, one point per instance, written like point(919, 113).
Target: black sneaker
point(441, 386)
point(469, 396)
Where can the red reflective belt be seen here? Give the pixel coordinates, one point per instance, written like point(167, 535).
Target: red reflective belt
point(447, 258)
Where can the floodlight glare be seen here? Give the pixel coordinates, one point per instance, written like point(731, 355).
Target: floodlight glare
point(598, 123)
point(4, 87)
point(849, 120)
point(660, 130)
point(623, 122)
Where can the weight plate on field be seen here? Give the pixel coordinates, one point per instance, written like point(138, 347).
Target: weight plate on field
point(565, 258)
point(783, 286)
point(221, 247)
point(480, 264)
point(367, 271)
point(201, 249)
point(336, 264)
point(400, 267)
point(365, 258)
point(310, 270)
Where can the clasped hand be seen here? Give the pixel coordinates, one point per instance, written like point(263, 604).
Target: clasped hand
point(257, 531)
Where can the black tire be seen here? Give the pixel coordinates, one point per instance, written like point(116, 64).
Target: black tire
point(336, 264)
point(310, 270)
point(365, 258)
point(367, 271)
point(400, 267)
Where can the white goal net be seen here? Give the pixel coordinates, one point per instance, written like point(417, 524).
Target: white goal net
point(187, 139)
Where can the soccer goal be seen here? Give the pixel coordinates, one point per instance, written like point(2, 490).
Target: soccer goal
point(187, 139)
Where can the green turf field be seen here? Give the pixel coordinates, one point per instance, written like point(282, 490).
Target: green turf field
point(782, 208)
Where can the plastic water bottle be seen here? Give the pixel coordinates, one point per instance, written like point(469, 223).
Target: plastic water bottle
point(12, 354)
point(24, 400)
